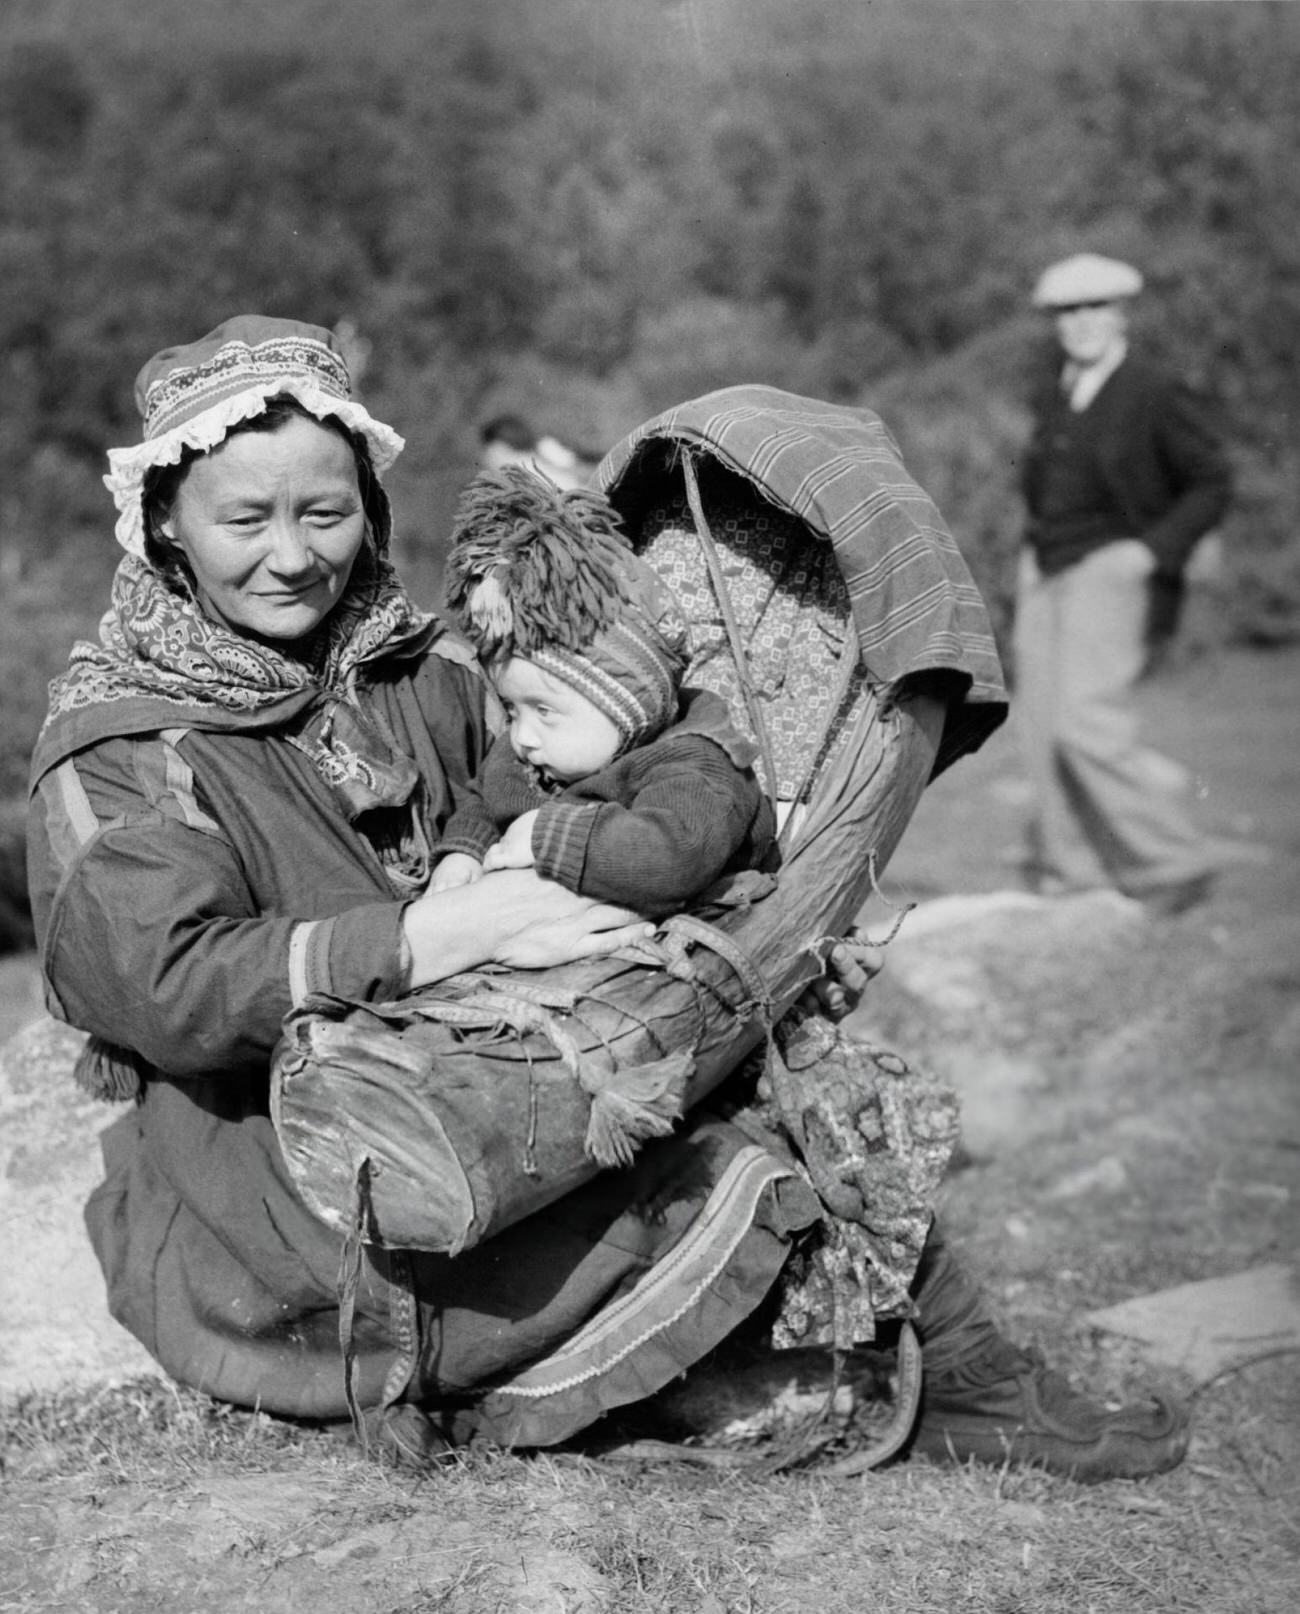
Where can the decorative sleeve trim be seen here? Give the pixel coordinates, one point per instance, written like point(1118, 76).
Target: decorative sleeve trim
point(309, 951)
point(561, 835)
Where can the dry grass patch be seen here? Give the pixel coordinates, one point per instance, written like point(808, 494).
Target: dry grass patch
point(140, 1497)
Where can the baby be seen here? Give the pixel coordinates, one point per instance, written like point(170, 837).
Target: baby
point(612, 778)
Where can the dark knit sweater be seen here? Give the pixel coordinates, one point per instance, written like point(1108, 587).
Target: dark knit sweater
point(651, 831)
point(1143, 461)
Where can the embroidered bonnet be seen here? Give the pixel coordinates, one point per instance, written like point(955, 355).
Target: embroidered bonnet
point(189, 397)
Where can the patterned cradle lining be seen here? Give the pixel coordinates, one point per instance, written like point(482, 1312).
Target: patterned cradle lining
point(789, 601)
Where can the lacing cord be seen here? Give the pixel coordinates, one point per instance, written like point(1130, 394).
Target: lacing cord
point(403, 1310)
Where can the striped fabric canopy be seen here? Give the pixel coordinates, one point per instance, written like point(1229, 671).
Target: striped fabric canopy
point(914, 602)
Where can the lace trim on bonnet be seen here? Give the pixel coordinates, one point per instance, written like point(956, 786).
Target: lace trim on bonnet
point(125, 478)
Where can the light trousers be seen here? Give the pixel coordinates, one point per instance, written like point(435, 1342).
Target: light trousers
point(1105, 812)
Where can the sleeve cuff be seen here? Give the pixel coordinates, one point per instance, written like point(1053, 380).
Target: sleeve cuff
point(468, 830)
point(465, 840)
point(356, 955)
point(561, 834)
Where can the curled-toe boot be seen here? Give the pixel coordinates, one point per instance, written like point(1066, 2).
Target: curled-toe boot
point(983, 1397)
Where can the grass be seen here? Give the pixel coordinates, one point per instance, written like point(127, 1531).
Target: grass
point(123, 1432)
point(234, 1501)
point(166, 1486)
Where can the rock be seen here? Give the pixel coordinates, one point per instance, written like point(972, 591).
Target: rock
point(1001, 1099)
point(20, 994)
point(55, 1329)
point(1107, 1176)
point(1208, 1328)
point(983, 988)
point(983, 955)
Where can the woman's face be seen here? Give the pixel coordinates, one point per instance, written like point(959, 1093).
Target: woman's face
point(271, 523)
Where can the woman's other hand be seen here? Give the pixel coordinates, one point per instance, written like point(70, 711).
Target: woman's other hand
point(848, 973)
point(513, 917)
point(457, 868)
point(515, 848)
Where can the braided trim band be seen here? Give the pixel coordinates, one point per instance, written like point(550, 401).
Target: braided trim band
point(668, 1290)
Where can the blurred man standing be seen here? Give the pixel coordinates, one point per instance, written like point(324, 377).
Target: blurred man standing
point(1123, 475)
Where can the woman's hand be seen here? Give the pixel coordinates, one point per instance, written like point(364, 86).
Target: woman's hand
point(596, 929)
point(514, 917)
point(515, 848)
point(839, 991)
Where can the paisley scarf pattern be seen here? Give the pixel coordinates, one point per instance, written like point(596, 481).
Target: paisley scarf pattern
point(157, 644)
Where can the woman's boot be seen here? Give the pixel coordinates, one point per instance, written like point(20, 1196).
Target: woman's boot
point(985, 1398)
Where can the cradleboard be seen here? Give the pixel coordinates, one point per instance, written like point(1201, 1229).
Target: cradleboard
point(831, 607)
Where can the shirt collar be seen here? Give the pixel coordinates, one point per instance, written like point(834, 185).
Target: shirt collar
point(1082, 383)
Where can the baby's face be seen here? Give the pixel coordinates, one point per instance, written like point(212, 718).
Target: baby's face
point(554, 727)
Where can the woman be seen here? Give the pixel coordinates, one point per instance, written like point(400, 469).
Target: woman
point(236, 796)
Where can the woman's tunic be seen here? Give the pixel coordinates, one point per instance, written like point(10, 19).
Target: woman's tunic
point(194, 877)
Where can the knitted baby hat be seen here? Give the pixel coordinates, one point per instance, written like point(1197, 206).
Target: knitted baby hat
point(542, 573)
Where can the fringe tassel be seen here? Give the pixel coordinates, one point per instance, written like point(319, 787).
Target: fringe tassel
point(629, 1106)
point(111, 1073)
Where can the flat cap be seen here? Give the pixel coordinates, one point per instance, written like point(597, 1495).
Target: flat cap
point(1086, 278)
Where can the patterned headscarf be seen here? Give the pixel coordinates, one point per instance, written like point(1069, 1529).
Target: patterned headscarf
point(161, 661)
point(544, 574)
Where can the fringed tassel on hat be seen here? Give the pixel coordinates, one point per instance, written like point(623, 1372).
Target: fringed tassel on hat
point(532, 565)
point(628, 1106)
point(107, 1071)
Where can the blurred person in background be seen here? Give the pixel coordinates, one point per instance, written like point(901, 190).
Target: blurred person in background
point(1124, 474)
point(510, 440)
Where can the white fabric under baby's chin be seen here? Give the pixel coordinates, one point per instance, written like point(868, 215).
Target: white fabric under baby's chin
point(791, 812)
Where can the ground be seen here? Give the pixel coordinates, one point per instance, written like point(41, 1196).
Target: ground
point(1131, 1124)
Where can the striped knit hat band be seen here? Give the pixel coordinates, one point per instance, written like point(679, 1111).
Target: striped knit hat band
point(631, 672)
